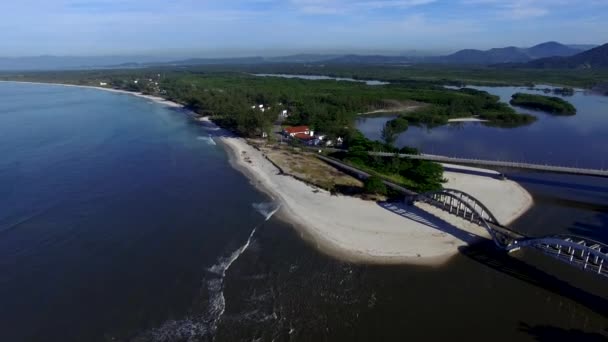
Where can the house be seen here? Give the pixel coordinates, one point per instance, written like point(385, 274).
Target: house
point(293, 130)
point(305, 138)
point(103, 84)
point(284, 113)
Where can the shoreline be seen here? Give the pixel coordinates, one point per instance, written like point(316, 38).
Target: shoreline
point(152, 98)
point(467, 120)
point(396, 111)
point(347, 228)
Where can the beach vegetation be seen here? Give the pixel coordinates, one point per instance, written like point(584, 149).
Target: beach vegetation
point(549, 104)
point(374, 185)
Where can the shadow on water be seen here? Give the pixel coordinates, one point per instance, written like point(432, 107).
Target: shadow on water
point(544, 333)
point(597, 231)
point(558, 184)
point(486, 253)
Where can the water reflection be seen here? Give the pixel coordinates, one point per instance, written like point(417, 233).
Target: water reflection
point(579, 141)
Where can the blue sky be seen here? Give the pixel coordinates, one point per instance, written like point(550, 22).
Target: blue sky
point(273, 27)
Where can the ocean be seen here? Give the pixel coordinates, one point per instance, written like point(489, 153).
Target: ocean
point(123, 220)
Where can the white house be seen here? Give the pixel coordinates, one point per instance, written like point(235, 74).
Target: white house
point(103, 84)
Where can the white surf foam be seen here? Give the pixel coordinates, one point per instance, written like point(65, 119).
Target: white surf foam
point(215, 287)
point(208, 140)
point(267, 209)
point(205, 326)
point(217, 302)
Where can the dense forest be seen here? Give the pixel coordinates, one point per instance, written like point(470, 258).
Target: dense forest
point(232, 99)
point(326, 105)
point(550, 104)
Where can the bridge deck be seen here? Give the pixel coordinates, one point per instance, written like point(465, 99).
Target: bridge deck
point(496, 163)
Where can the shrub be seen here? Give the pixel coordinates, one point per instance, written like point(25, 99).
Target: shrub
point(375, 185)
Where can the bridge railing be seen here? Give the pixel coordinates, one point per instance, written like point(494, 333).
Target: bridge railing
point(497, 163)
point(582, 252)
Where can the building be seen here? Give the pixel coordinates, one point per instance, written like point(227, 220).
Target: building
point(293, 130)
point(284, 113)
point(103, 84)
point(305, 138)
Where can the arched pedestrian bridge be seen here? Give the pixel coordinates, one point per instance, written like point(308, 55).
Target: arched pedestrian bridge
point(577, 251)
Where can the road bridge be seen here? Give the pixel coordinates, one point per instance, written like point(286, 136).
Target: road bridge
point(500, 164)
point(576, 251)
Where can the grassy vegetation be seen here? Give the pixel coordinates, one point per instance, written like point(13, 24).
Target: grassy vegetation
point(416, 175)
point(307, 167)
point(550, 104)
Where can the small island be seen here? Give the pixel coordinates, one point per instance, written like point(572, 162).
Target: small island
point(549, 104)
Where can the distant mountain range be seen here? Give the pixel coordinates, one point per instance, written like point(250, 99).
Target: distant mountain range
point(71, 62)
point(543, 55)
point(510, 54)
point(594, 58)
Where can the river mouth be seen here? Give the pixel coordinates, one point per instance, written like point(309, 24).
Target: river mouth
point(119, 210)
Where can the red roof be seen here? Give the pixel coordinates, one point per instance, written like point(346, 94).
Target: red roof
point(296, 129)
point(303, 136)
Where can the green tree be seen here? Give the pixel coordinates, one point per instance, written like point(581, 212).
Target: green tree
point(375, 185)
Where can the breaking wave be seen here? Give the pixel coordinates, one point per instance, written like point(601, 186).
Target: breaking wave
point(206, 325)
point(208, 140)
point(267, 209)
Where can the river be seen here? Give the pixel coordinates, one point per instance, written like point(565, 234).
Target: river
point(122, 220)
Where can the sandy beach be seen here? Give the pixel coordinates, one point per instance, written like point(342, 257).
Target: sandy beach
point(355, 230)
point(467, 120)
point(156, 99)
point(363, 231)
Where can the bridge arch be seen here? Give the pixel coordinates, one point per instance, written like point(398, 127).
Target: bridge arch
point(467, 207)
point(577, 251)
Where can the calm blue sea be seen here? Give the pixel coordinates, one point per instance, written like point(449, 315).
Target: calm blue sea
point(122, 220)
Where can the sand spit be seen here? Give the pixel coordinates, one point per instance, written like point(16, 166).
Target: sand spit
point(362, 231)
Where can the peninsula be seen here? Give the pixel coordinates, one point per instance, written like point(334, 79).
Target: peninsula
point(337, 223)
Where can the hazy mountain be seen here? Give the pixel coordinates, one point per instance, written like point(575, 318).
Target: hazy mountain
point(302, 58)
point(594, 58)
point(551, 49)
point(509, 54)
point(468, 56)
point(492, 56)
point(372, 59)
point(67, 62)
point(583, 47)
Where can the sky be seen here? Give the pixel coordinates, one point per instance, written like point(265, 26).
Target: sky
point(224, 28)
